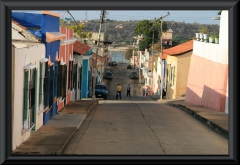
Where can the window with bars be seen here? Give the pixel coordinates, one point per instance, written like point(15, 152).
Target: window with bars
point(173, 75)
point(59, 80)
point(51, 86)
point(29, 102)
point(45, 85)
point(169, 73)
point(79, 75)
point(70, 74)
point(74, 77)
point(64, 81)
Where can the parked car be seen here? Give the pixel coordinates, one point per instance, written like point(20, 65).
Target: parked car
point(114, 63)
point(134, 74)
point(108, 75)
point(129, 67)
point(101, 91)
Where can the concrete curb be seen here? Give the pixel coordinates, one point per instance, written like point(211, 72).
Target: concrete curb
point(205, 121)
point(70, 137)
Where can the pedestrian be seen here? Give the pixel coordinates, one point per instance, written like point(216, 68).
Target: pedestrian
point(146, 91)
point(119, 90)
point(143, 92)
point(128, 90)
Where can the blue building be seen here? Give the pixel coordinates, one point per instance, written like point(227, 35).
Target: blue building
point(46, 27)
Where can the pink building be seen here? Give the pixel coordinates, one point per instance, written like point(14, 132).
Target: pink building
point(66, 57)
point(207, 83)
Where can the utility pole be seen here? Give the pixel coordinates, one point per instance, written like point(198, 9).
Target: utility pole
point(161, 18)
point(152, 60)
point(139, 69)
point(98, 42)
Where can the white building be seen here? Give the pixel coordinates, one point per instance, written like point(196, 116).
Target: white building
point(27, 57)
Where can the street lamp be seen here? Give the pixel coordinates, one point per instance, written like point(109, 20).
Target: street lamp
point(161, 18)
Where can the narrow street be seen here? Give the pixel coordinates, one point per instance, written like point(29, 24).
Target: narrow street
point(138, 125)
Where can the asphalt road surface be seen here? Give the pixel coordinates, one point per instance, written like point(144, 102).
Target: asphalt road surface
point(138, 125)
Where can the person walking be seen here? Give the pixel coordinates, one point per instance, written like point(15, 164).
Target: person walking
point(143, 92)
point(119, 90)
point(128, 90)
point(146, 92)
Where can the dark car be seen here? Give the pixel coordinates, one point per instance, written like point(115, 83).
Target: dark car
point(129, 67)
point(133, 74)
point(114, 63)
point(108, 75)
point(101, 91)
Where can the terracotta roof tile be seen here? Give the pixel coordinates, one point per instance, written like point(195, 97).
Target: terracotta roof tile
point(179, 49)
point(80, 48)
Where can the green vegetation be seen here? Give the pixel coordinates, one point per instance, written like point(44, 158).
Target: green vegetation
point(203, 29)
point(79, 30)
point(214, 34)
point(181, 31)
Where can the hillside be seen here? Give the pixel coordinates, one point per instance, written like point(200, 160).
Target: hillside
point(181, 31)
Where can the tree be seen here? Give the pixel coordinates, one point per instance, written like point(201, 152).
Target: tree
point(128, 54)
point(79, 30)
point(147, 29)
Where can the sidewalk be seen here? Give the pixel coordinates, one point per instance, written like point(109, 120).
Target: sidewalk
point(52, 138)
point(217, 121)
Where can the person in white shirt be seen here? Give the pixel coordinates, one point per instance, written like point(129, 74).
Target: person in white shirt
point(128, 90)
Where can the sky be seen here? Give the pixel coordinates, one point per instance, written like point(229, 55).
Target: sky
point(187, 16)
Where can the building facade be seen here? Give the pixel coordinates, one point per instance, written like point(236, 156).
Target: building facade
point(28, 55)
point(207, 83)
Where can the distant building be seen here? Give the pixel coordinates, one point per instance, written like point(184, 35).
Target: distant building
point(167, 38)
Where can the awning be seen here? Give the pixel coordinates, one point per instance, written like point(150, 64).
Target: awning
point(53, 36)
point(67, 41)
point(29, 66)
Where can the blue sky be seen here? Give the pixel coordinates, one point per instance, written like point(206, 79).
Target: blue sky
point(187, 16)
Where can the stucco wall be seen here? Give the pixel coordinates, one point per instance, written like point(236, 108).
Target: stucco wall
point(183, 63)
point(208, 73)
point(171, 89)
point(66, 53)
point(33, 55)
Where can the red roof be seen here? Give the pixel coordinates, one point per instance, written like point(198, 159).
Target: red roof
point(80, 48)
point(179, 49)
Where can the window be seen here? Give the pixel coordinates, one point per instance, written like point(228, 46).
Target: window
point(74, 76)
point(59, 80)
point(45, 86)
point(64, 81)
point(70, 73)
point(29, 98)
point(51, 87)
point(173, 75)
point(169, 73)
point(41, 85)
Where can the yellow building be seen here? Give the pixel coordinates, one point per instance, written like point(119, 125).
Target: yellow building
point(177, 66)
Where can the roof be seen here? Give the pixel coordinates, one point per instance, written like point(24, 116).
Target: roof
point(15, 22)
point(21, 38)
point(51, 13)
point(80, 48)
point(179, 49)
